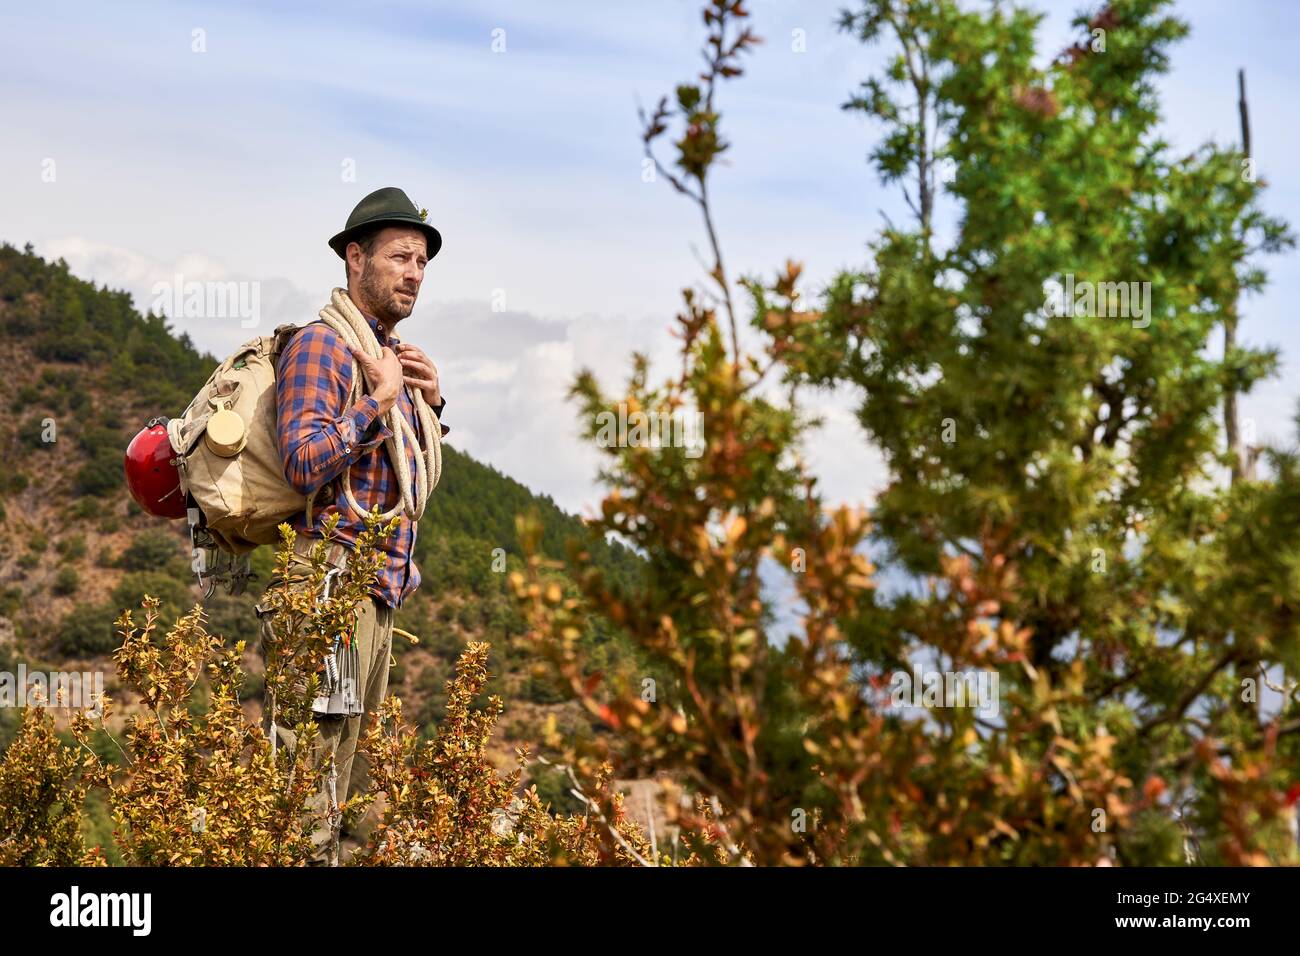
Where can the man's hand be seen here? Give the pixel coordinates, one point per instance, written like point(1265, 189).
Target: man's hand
point(419, 372)
point(384, 377)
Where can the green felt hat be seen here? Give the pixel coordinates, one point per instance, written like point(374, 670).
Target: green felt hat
point(391, 207)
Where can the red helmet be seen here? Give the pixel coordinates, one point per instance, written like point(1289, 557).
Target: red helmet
point(154, 481)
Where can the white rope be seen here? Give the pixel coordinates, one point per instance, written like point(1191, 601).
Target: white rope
point(343, 317)
point(335, 818)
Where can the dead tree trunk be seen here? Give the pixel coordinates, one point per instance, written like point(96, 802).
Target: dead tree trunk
point(1242, 459)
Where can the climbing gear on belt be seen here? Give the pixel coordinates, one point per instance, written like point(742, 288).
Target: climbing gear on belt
point(340, 693)
point(213, 564)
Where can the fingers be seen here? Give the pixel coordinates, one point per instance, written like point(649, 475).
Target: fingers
point(420, 373)
point(413, 353)
point(368, 362)
point(417, 359)
point(382, 376)
point(416, 370)
point(364, 360)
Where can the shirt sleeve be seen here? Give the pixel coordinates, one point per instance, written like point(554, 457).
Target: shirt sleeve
point(319, 434)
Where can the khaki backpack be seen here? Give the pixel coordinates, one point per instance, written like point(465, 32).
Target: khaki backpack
point(227, 440)
point(243, 496)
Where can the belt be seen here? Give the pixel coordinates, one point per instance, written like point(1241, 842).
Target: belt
point(336, 554)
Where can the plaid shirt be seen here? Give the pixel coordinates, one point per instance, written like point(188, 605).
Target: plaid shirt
point(319, 437)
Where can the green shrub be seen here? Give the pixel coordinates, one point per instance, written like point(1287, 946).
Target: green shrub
point(87, 630)
point(152, 550)
point(231, 618)
point(470, 615)
point(86, 508)
point(102, 474)
point(66, 581)
point(27, 395)
point(542, 690)
point(96, 439)
point(432, 681)
point(73, 548)
point(32, 433)
point(174, 594)
point(555, 789)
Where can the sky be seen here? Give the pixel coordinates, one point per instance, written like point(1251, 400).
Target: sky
point(228, 142)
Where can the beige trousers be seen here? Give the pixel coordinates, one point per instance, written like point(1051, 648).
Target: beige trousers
point(338, 736)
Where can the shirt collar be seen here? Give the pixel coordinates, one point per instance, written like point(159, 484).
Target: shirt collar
point(378, 329)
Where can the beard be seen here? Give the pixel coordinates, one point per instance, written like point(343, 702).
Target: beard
point(382, 300)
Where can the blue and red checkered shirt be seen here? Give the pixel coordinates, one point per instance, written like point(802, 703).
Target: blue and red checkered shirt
point(320, 436)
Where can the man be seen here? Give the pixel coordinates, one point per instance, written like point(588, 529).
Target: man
point(385, 245)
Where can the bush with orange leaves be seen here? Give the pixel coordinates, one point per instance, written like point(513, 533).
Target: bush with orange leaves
point(446, 805)
point(201, 786)
point(43, 786)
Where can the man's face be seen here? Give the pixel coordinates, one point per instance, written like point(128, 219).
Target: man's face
point(392, 273)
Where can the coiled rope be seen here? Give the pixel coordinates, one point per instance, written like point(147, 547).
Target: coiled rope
point(343, 317)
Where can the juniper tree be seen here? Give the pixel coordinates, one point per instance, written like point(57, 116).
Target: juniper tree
point(1061, 447)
